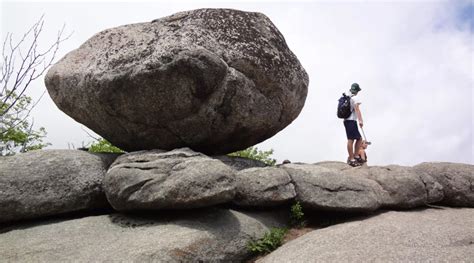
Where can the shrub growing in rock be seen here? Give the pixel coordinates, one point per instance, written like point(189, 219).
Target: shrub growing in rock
point(297, 216)
point(270, 241)
point(103, 146)
point(253, 153)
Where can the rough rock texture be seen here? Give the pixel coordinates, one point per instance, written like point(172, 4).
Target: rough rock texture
point(322, 188)
point(210, 235)
point(341, 166)
point(430, 235)
point(48, 182)
point(239, 163)
point(214, 80)
point(168, 180)
point(457, 180)
point(257, 187)
point(403, 188)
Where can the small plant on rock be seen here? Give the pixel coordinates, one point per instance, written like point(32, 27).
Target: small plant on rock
point(103, 146)
point(253, 153)
point(297, 216)
point(270, 241)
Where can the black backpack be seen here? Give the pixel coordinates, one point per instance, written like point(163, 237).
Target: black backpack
point(344, 107)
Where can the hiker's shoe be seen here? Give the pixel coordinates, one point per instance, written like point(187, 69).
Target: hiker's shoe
point(354, 163)
point(359, 159)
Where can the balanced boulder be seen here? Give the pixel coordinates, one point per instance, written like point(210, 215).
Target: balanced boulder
point(214, 80)
point(48, 182)
point(177, 179)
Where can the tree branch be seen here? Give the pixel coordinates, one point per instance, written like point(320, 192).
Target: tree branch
point(34, 64)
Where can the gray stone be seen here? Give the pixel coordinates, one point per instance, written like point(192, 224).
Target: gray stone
point(177, 179)
point(145, 156)
point(457, 180)
point(341, 166)
point(322, 188)
point(262, 187)
point(48, 182)
point(430, 235)
point(209, 235)
point(214, 80)
point(434, 190)
point(403, 187)
point(239, 163)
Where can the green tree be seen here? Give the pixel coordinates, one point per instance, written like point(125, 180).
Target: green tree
point(253, 153)
point(21, 63)
point(16, 131)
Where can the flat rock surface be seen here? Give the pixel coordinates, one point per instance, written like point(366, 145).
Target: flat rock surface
point(217, 235)
point(214, 80)
point(429, 235)
point(48, 182)
point(341, 166)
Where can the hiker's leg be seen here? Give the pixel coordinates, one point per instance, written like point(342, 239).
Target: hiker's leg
point(350, 149)
point(357, 146)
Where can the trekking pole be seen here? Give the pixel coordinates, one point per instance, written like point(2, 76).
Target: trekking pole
point(365, 137)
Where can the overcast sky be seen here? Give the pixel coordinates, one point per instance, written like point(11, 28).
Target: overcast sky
point(412, 59)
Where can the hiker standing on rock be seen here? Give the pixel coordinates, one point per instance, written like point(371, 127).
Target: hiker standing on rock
point(350, 123)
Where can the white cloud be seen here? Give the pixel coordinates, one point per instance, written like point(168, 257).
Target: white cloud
point(413, 61)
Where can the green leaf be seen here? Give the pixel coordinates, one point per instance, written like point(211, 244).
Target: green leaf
point(253, 153)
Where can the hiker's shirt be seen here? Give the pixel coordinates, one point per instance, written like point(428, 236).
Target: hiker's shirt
point(354, 101)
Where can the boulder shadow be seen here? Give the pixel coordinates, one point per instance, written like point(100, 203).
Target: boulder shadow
point(51, 219)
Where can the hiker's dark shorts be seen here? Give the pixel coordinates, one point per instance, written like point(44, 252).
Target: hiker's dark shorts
point(352, 132)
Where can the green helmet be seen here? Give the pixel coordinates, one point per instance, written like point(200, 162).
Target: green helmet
point(355, 88)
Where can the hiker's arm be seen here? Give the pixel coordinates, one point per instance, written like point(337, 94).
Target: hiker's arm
point(359, 115)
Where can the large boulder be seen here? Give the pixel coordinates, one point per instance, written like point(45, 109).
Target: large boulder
point(214, 80)
point(321, 188)
point(263, 187)
point(179, 179)
point(457, 180)
point(48, 182)
point(430, 235)
point(209, 235)
point(403, 187)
